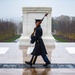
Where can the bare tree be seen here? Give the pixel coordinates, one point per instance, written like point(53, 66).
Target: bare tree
point(7, 29)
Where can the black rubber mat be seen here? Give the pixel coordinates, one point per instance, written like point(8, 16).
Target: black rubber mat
point(37, 66)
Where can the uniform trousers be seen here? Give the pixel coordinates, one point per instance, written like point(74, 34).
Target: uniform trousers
point(34, 57)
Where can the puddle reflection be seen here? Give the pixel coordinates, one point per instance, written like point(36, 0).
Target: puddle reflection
point(33, 71)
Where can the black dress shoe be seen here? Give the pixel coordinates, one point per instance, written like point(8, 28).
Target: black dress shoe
point(46, 64)
point(29, 63)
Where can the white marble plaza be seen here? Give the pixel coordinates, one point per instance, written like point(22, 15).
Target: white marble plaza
point(62, 53)
point(59, 54)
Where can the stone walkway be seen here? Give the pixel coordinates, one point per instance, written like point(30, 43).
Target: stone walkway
point(58, 55)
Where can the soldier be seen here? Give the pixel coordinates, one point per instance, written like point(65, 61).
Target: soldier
point(39, 48)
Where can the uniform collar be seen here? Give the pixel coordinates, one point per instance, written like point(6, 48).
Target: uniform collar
point(39, 26)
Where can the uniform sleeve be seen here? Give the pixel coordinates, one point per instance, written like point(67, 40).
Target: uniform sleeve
point(33, 39)
point(38, 34)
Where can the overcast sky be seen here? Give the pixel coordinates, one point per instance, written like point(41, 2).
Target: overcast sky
point(13, 8)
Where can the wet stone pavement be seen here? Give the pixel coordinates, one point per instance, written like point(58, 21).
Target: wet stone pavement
point(12, 61)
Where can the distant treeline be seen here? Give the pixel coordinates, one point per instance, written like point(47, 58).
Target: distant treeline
point(64, 26)
point(8, 29)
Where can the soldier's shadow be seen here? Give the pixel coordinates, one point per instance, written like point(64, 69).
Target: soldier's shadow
point(34, 71)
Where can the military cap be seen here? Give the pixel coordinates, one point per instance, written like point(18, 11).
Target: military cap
point(37, 20)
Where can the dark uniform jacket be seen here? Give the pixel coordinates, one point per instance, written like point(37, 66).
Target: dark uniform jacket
point(39, 48)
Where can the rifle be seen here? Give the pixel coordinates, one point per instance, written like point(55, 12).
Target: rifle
point(39, 24)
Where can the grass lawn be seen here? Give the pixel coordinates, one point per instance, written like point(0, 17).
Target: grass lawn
point(13, 38)
point(59, 39)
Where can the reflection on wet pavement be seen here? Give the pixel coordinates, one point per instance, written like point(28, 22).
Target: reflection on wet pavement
point(35, 71)
point(58, 56)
